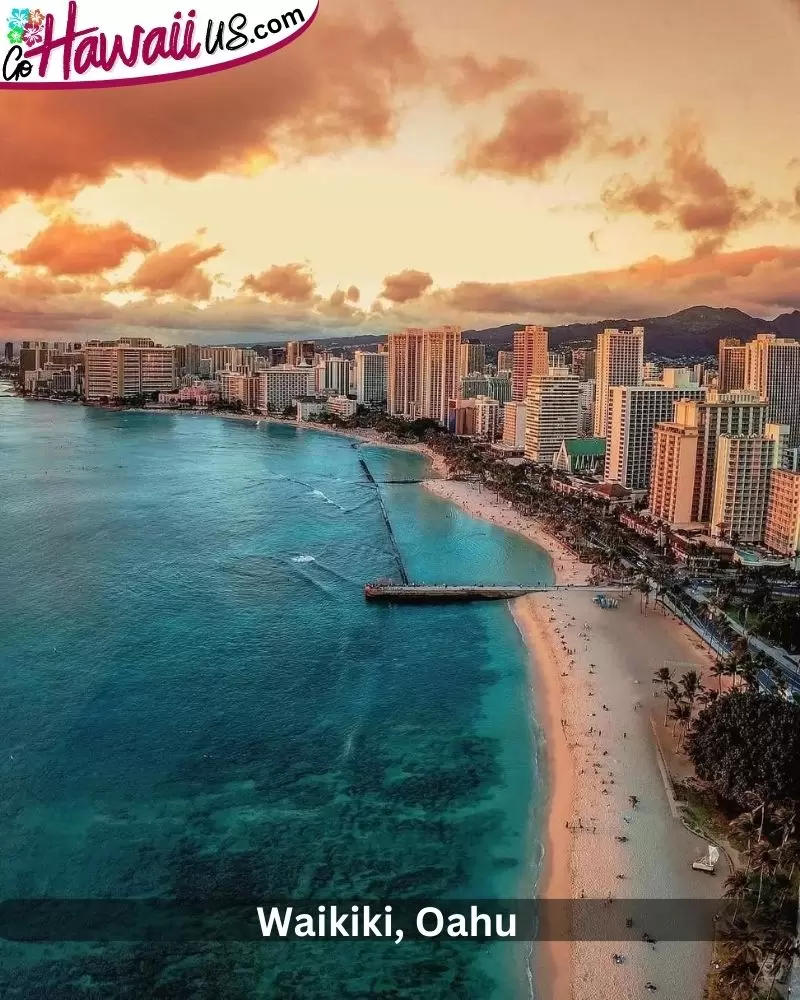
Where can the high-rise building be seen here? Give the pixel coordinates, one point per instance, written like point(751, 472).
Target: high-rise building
point(514, 417)
point(423, 372)
point(620, 356)
point(187, 359)
point(505, 361)
point(239, 387)
point(337, 376)
point(478, 416)
point(472, 358)
point(474, 385)
point(279, 387)
point(498, 387)
point(553, 409)
point(731, 373)
point(588, 390)
point(530, 360)
point(372, 375)
point(583, 364)
point(740, 414)
point(673, 466)
point(741, 486)
point(557, 359)
point(772, 369)
point(128, 369)
point(300, 351)
point(9, 351)
point(634, 412)
point(782, 530)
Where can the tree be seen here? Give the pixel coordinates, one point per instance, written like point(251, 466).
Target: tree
point(748, 744)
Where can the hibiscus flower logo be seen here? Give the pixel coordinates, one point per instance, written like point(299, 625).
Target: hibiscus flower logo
point(19, 18)
point(25, 26)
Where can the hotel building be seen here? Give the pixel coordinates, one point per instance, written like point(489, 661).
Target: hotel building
point(553, 413)
point(239, 387)
point(472, 358)
point(672, 477)
point(372, 376)
point(505, 361)
point(530, 360)
point(741, 486)
point(619, 361)
point(772, 369)
point(279, 387)
point(337, 376)
point(514, 418)
point(128, 368)
point(731, 374)
point(634, 412)
point(423, 372)
point(782, 530)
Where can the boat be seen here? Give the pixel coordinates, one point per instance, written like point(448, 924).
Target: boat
point(708, 863)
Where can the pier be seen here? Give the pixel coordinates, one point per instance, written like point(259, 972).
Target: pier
point(395, 547)
point(443, 593)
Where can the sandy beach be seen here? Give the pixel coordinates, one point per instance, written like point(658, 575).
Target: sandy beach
point(600, 712)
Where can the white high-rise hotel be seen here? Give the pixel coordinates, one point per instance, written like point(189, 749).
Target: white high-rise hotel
point(620, 359)
point(372, 375)
point(772, 369)
point(423, 372)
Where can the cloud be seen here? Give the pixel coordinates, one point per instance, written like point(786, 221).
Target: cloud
point(69, 247)
point(405, 286)
point(466, 80)
point(335, 87)
point(763, 281)
point(289, 282)
point(176, 271)
point(353, 294)
point(542, 128)
point(689, 194)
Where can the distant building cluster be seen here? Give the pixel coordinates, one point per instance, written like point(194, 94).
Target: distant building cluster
point(712, 456)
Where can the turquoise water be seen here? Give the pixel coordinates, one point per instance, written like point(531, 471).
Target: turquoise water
point(195, 699)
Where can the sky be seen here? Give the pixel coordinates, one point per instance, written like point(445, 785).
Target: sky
point(468, 163)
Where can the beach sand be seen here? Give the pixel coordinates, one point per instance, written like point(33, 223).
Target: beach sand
point(601, 720)
point(600, 748)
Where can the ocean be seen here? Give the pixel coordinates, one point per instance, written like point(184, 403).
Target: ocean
point(196, 700)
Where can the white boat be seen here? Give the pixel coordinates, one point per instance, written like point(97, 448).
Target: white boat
point(709, 862)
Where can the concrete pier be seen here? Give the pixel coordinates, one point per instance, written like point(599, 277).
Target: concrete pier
point(432, 594)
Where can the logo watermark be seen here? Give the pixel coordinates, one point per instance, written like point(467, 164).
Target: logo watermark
point(95, 44)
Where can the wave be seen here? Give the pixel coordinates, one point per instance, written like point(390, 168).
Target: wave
point(303, 559)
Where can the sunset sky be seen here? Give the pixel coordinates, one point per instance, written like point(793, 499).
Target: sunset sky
point(460, 162)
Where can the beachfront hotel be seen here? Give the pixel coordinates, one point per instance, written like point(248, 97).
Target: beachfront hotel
point(772, 369)
point(619, 361)
point(531, 359)
point(552, 413)
point(127, 368)
point(741, 487)
point(279, 387)
point(634, 412)
point(673, 472)
point(372, 377)
point(239, 387)
point(423, 372)
point(514, 418)
point(782, 530)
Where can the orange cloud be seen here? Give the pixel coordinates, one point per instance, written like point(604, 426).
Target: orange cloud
point(467, 80)
point(289, 282)
point(690, 194)
point(69, 247)
point(405, 286)
point(333, 88)
point(540, 130)
point(176, 271)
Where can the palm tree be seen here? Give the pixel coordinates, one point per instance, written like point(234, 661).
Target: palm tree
point(719, 670)
point(737, 886)
point(681, 713)
point(692, 688)
point(643, 586)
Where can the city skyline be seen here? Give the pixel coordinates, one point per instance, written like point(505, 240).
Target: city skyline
point(458, 136)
